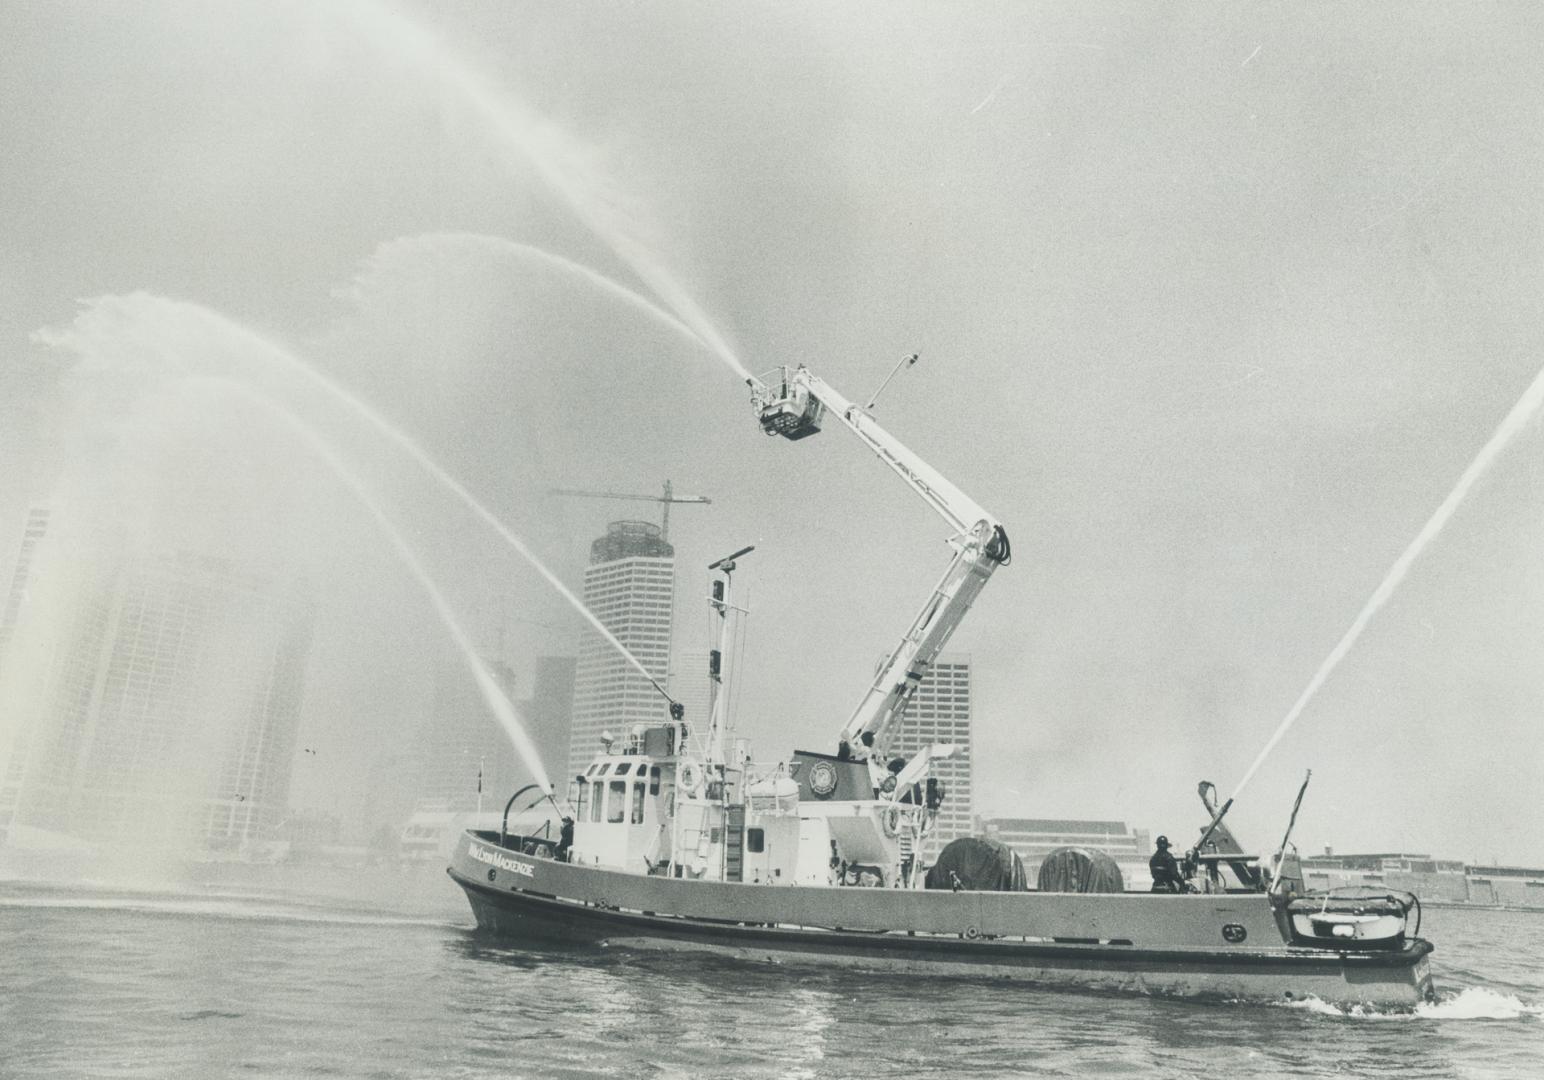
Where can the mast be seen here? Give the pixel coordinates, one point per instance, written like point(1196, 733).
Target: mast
point(721, 601)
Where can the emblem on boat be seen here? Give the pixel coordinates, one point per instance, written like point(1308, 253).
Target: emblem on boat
point(823, 779)
point(1233, 933)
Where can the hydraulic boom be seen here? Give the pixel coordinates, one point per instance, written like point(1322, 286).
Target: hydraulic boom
point(792, 402)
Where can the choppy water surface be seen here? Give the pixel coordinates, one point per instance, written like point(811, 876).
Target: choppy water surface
point(111, 984)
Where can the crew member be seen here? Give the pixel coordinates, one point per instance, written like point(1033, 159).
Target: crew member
point(1165, 869)
point(565, 839)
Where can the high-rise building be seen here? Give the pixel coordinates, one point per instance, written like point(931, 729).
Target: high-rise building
point(462, 750)
point(940, 712)
point(550, 711)
point(630, 587)
point(692, 685)
point(463, 759)
point(170, 711)
point(461, 739)
point(10, 611)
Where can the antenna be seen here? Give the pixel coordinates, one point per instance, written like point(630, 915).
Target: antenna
point(726, 564)
point(905, 361)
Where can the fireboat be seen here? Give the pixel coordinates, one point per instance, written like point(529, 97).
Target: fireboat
point(674, 838)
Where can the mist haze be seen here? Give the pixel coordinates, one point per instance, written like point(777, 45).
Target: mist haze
point(1214, 309)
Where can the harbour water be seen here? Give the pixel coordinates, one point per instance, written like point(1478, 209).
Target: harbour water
point(213, 982)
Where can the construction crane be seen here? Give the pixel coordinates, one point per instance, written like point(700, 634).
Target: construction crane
point(666, 500)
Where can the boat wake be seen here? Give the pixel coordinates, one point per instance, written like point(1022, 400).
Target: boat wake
point(1471, 1003)
point(226, 907)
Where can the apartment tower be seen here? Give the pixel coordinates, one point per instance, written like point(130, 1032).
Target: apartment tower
point(940, 712)
point(630, 587)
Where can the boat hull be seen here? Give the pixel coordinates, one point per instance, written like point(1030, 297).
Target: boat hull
point(1127, 942)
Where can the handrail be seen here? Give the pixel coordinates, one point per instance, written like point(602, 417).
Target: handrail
point(504, 824)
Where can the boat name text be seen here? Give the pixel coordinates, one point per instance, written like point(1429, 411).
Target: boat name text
point(502, 861)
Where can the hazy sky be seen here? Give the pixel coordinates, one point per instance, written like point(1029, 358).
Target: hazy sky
point(1215, 305)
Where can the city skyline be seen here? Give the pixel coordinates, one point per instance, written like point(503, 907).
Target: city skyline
point(1211, 331)
point(547, 707)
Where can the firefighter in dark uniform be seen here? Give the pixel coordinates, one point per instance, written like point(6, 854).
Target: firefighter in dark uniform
point(1165, 869)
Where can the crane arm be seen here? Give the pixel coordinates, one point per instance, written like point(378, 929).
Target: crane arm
point(664, 500)
point(903, 671)
point(792, 403)
point(623, 495)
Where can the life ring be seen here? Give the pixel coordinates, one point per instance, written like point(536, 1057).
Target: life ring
point(890, 821)
point(689, 778)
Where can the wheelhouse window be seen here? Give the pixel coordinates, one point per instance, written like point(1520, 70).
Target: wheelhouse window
point(755, 841)
point(654, 780)
point(616, 802)
point(638, 803)
point(624, 768)
point(584, 801)
point(595, 801)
